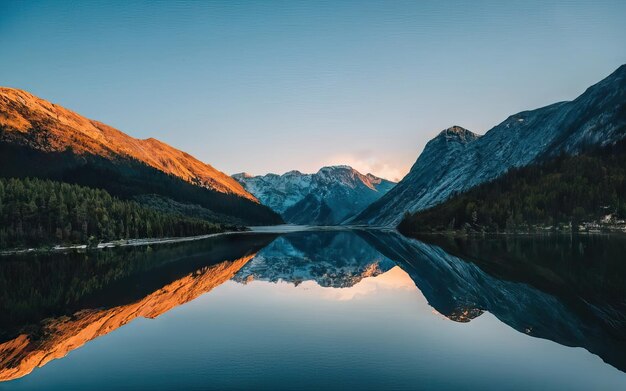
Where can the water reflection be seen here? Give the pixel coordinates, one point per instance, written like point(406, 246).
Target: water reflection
point(570, 291)
point(591, 316)
point(148, 282)
point(336, 259)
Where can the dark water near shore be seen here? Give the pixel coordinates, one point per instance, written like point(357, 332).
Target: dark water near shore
point(319, 309)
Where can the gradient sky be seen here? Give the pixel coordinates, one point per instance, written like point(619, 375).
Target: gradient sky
point(274, 86)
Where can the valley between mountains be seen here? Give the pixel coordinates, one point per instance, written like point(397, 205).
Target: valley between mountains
point(68, 179)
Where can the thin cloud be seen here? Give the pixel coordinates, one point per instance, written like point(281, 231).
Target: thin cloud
point(365, 162)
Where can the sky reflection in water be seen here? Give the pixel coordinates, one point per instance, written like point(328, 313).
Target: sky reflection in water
point(328, 310)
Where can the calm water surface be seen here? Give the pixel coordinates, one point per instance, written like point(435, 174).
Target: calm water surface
point(319, 309)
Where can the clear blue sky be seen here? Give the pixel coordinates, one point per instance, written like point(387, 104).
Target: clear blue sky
point(274, 86)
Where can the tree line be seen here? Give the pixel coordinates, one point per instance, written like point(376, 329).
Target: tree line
point(37, 212)
point(126, 178)
point(562, 191)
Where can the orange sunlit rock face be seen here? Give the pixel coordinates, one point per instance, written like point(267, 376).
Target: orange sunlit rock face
point(34, 122)
point(59, 336)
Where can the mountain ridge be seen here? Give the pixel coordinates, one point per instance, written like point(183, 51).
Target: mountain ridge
point(596, 117)
point(43, 140)
point(22, 112)
point(328, 196)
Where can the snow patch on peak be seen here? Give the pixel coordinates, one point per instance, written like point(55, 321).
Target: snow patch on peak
point(338, 167)
point(329, 196)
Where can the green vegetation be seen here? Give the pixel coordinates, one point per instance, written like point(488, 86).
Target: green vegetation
point(168, 205)
point(564, 190)
point(35, 212)
point(127, 179)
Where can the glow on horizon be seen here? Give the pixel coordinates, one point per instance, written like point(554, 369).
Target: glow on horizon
point(276, 86)
point(394, 279)
point(364, 162)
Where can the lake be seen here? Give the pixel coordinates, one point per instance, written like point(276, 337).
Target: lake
point(319, 309)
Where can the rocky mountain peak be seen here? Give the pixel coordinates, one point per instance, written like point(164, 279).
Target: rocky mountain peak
point(337, 167)
point(457, 133)
point(457, 159)
point(329, 196)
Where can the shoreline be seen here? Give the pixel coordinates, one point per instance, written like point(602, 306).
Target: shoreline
point(277, 229)
point(460, 234)
point(284, 229)
point(116, 243)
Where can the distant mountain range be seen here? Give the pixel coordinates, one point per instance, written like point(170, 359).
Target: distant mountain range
point(41, 139)
point(327, 197)
point(457, 159)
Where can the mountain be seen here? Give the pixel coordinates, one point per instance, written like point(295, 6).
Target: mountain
point(327, 197)
point(39, 138)
point(571, 192)
point(457, 160)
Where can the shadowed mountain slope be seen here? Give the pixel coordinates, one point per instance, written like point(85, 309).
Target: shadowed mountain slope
point(457, 160)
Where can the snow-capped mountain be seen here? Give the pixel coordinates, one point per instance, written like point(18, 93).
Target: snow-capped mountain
point(457, 160)
point(327, 197)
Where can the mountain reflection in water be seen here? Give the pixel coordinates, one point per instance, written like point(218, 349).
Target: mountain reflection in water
point(521, 281)
point(461, 290)
point(173, 275)
point(332, 259)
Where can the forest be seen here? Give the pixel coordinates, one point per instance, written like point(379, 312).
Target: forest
point(37, 212)
point(563, 191)
point(129, 179)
